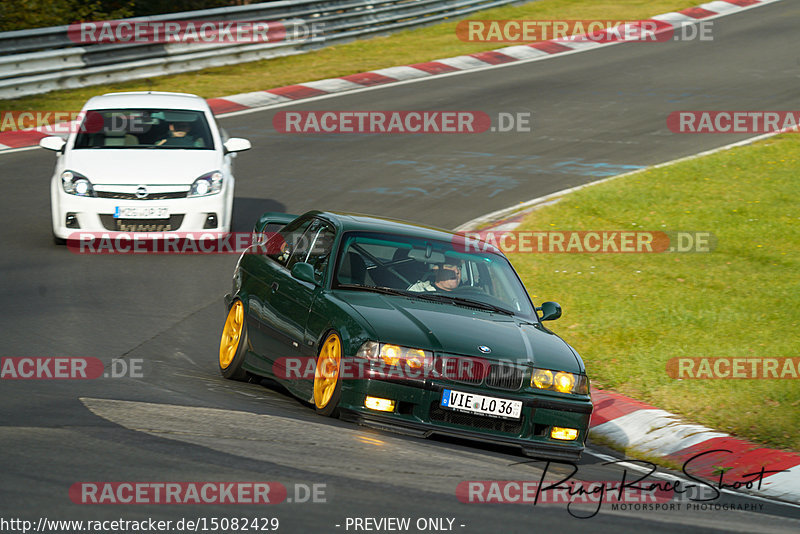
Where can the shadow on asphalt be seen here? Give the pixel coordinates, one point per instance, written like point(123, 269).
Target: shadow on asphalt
point(246, 211)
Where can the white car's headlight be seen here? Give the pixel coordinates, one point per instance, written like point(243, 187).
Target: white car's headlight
point(208, 184)
point(76, 184)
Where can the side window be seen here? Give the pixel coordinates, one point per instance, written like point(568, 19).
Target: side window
point(281, 245)
point(315, 248)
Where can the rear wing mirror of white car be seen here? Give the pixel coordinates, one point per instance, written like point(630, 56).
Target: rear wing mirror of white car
point(236, 144)
point(54, 142)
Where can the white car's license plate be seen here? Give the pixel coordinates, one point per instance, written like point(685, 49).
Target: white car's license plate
point(141, 212)
point(481, 404)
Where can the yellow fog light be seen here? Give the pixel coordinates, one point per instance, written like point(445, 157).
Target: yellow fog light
point(542, 378)
point(390, 354)
point(564, 382)
point(565, 434)
point(379, 404)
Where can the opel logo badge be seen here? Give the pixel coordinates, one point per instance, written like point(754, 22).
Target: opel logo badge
point(484, 349)
point(141, 192)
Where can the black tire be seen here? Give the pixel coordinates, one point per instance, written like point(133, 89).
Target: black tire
point(233, 341)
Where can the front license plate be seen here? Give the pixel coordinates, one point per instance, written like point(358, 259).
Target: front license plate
point(141, 212)
point(481, 404)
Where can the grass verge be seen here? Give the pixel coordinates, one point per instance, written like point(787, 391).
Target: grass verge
point(412, 46)
point(628, 314)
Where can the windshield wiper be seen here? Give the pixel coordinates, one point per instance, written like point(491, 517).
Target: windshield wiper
point(435, 297)
point(378, 289)
point(461, 301)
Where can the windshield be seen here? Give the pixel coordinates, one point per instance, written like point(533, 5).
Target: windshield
point(430, 270)
point(161, 129)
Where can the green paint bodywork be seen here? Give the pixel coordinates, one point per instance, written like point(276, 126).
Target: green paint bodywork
point(291, 322)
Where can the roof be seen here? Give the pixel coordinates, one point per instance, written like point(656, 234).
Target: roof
point(147, 99)
point(371, 223)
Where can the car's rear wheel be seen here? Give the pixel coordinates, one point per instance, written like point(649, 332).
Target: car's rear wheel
point(233, 344)
point(327, 378)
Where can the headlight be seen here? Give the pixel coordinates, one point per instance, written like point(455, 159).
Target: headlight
point(369, 350)
point(564, 382)
point(390, 354)
point(208, 184)
point(76, 184)
point(542, 378)
point(395, 355)
point(560, 381)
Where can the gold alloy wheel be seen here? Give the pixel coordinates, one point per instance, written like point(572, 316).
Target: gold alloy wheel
point(231, 334)
point(326, 374)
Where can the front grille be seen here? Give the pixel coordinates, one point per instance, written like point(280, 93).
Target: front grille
point(460, 368)
point(439, 414)
point(151, 196)
point(505, 376)
point(476, 371)
point(141, 225)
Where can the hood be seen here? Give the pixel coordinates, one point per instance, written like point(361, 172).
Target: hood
point(142, 166)
point(460, 330)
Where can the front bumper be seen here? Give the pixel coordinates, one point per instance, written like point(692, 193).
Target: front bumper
point(97, 214)
point(418, 412)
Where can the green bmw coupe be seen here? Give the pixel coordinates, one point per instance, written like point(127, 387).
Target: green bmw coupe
point(397, 325)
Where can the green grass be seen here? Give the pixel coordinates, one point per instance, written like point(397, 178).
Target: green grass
point(412, 46)
point(628, 314)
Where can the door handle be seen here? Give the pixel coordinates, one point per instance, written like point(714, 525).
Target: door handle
point(274, 286)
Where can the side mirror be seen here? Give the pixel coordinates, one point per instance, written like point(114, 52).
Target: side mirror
point(304, 272)
point(550, 311)
point(53, 142)
point(236, 144)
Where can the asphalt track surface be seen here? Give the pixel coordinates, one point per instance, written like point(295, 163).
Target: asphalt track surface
point(595, 113)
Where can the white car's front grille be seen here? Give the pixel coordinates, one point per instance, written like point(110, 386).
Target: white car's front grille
point(150, 196)
point(142, 225)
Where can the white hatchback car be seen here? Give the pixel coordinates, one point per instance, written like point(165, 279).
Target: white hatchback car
point(143, 162)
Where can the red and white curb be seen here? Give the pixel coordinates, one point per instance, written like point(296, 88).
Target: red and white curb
point(640, 428)
point(405, 74)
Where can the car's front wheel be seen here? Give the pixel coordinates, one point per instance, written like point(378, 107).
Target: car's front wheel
point(327, 378)
point(233, 344)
